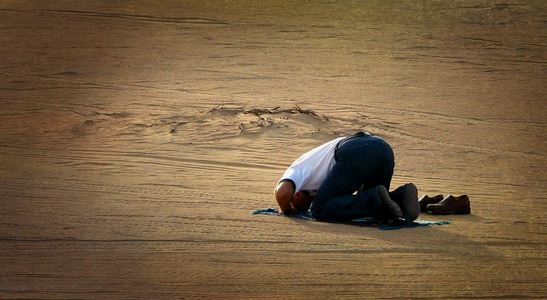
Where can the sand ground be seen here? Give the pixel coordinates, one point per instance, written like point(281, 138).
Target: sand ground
point(119, 178)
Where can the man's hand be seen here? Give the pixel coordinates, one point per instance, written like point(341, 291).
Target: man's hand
point(284, 193)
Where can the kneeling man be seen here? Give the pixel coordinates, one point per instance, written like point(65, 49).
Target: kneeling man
point(344, 179)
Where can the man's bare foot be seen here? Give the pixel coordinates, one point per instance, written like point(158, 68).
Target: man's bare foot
point(409, 202)
point(391, 206)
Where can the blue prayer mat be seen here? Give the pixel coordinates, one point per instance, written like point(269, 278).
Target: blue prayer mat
point(368, 222)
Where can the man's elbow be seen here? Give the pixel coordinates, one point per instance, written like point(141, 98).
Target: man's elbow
point(284, 194)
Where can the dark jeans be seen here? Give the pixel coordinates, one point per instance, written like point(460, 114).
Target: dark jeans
point(362, 163)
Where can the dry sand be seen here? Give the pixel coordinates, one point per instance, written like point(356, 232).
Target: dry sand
point(119, 179)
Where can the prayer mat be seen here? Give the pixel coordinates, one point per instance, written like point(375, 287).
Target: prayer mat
point(367, 222)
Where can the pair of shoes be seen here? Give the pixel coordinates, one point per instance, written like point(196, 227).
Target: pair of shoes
point(426, 200)
point(406, 202)
point(450, 205)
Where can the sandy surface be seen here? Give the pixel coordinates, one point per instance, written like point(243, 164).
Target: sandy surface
point(120, 179)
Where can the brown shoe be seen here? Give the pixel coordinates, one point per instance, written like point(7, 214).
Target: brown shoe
point(425, 200)
point(451, 205)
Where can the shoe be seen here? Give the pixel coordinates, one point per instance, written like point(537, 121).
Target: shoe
point(391, 206)
point(451, 205)
point(425, 200)
point(408, 201)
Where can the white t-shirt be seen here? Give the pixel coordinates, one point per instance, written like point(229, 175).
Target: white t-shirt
point(312, 167)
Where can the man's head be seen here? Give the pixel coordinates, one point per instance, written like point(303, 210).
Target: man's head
point(302, 200)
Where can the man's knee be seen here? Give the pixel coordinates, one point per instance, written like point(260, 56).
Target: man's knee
point(318, 211)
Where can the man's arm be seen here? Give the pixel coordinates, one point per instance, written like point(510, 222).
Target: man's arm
point(284, 193)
